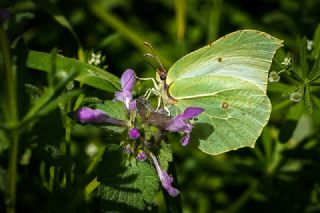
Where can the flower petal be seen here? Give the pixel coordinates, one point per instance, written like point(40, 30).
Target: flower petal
point(127, 80)
point(191, 112)
point(165, 179)
point(185, 139)
point(87, 115)
point(133, 105)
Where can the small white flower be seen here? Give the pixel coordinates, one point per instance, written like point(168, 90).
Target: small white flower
point(95, 59)
point(309, 44)
point(273, 77)
point(296, 96)
point(286, 62)
point(91, 150)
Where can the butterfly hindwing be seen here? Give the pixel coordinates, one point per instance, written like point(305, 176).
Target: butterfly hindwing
point(227, 78)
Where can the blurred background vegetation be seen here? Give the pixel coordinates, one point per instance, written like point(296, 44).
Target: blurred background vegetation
point(281, 174)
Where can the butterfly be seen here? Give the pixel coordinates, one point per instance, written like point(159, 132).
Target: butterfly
point(228, 78)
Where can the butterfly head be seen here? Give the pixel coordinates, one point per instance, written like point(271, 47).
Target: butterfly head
point(161, 74)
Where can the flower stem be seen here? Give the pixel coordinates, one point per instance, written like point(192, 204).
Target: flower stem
point(11, 120)
point(68, 146)
point(12, 173)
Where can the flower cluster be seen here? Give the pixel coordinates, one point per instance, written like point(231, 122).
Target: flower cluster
point(138, 144)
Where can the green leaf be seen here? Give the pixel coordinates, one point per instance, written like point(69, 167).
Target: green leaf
point(315, 71)
point(48, 133)
point(165, 155)
point(316, 42)
point(288, 91)
point(125, 188)
point(54, 11)
point(116, 109)
point(89, 74)
point(62, 99)
point(278, 87)
point(303, 58)
point(291, 120)
point(308, 100)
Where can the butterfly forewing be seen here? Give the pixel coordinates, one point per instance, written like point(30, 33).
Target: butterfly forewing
point(245, 54)
point(227, 78)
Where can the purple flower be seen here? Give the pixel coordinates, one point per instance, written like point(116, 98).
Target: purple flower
point(165, 178)
point(86, 115)
point(127, 82)
point(134, 133)
point(141, 155)
point(180, 123)
point(133, 105)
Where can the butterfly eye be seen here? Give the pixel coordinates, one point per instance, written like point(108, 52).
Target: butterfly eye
point(163, 77)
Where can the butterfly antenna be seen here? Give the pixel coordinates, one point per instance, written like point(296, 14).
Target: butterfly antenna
point(145, 61)
point(153, 55)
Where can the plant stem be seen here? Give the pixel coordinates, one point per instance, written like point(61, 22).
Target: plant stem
point(12, 173)
point(68, 146)
point(11, 120)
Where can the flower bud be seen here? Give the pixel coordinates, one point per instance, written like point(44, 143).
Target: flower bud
point(134, 133)
point(273, 77)
point(141, 156)
point(296, 96)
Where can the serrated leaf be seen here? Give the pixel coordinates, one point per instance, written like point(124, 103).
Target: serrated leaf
point(89, 74)
point(115, 109)
point(165, 155)
point(308, 101)
point(303, 58)
point(125, 188)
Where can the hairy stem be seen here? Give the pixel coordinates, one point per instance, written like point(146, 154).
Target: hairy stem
point(11, 120)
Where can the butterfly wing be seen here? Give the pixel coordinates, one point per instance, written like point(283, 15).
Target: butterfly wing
point(228, 78)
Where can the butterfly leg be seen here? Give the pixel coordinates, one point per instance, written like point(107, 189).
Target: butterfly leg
point(167, 110)
point(151, 91)
point(155, 85)
point(154, 90)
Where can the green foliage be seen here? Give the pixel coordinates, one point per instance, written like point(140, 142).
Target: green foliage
point(125, 187)
point(51, 164)
point(88, 74)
